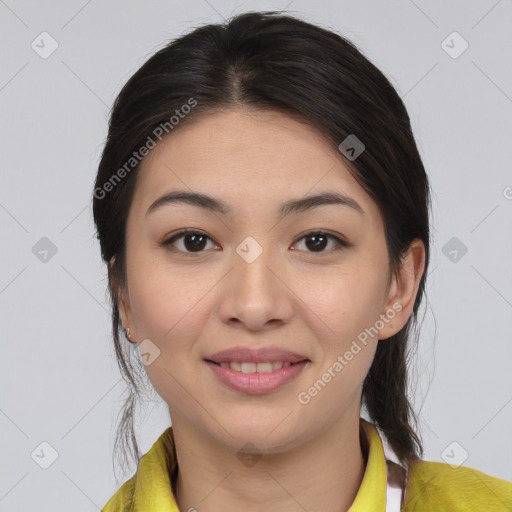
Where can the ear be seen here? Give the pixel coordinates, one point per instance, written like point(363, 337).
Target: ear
point(123, 302)
point(403, 290)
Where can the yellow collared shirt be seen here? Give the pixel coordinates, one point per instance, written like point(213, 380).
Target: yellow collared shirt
point(431, 486)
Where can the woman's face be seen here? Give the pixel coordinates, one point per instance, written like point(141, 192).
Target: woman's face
point(255, 276)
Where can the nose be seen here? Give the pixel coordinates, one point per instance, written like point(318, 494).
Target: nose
point(255, 293)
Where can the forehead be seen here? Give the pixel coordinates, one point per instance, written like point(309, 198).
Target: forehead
point(244, 157)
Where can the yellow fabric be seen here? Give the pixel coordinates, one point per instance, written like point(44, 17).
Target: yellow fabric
point(371, 495)
point(432, 486)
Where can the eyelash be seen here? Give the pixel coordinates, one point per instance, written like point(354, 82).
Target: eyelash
point(167, 243)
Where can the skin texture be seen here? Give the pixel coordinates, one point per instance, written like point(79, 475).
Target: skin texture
point(314, 301)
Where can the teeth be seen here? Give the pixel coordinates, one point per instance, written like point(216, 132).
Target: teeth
point(264, 367)
point(248, 367)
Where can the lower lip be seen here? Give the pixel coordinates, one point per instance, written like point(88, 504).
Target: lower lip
point(256, 383)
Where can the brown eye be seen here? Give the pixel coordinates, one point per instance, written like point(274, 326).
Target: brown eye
point(189, 242)
point(317, 241)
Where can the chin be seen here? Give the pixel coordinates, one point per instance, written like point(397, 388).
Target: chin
point(268, 436)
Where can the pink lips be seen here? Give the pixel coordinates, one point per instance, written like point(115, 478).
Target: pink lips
point(251, 355)
point(256, 383)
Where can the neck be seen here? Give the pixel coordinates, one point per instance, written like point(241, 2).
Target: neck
point(322, 474)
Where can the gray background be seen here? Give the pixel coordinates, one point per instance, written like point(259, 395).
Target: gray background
point(59, 379)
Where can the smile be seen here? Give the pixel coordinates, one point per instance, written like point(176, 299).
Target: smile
point(252, 367)
point(256, 378)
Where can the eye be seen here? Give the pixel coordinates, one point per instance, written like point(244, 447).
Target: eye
point(317, 241)
point(193, 241)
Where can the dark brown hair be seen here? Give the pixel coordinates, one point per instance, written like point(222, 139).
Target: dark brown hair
point(267, 60)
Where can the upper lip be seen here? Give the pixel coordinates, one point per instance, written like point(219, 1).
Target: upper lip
point(251, 355)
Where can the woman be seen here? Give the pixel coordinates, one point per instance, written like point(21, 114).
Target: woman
point(264, 214)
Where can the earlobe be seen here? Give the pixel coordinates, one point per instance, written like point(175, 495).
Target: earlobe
point(127, 334)
point(403, 290)
point(122, 303)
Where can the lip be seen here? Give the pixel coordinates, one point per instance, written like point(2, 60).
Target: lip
point(256, 383)
point(252, 355)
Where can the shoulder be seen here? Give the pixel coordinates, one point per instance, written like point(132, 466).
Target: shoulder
point(436, 486)
point(150, 482)
point(122, 500)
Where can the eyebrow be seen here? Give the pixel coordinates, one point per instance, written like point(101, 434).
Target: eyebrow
point(293, 206)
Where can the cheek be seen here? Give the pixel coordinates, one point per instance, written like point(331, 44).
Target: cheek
point(349, 305)
point(348, 302)
point(163, 297)
point(170, 307)
point(171, 312)
point(350, 308)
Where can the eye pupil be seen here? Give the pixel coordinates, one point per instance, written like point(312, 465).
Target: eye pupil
point(317, 237)
point(198, 241)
